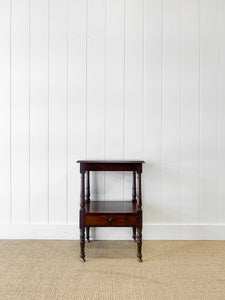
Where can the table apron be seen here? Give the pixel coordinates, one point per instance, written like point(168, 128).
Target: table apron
point(110, 167)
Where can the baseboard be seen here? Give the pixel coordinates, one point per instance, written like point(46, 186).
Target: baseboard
point(150, 232)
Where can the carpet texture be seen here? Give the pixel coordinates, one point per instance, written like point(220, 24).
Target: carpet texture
point(33, 269)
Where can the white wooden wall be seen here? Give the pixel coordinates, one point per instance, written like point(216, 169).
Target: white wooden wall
point(112, 79)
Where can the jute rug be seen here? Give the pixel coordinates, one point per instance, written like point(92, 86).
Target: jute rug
point(33, 269)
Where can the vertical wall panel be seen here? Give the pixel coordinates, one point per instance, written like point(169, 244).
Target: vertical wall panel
point(152, 130)
point(221, 110)
point(208, 171)
point(114, 94)
point(39, 111)
point(20, 110)
point(171, 112)
point(133, 78)
point(58, 111)
point(5, 20)
point(76, 101)
point(133, 85)
point(189, 110)
point(96, 90)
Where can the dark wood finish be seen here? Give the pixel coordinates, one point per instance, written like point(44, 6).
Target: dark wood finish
point(139, 200)
point(110, 165)
point(110, 162)
point(88, 233)
point(110, 220)
point(139, 234)
point(82, 203)
point(119, 207)
point(82, 234)
point(111, 213)
point(87, 199)
point(82, 217)
point(134, 233)
point(134, 194)
point(88, 187)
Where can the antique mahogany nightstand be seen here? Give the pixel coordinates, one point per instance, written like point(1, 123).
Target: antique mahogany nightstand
point(110, 213)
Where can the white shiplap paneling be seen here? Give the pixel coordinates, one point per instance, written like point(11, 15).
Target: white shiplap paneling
point(208, 152)
point(58, 112)
point(39, 111)
point(171, 111)
point(112, 79)
point(20, 102)
point(221, 111)
point(152, 118)
point(133, 79)
point(5, 101)
point(189, 110)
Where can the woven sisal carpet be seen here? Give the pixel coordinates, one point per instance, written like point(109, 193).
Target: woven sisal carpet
point(34, 269)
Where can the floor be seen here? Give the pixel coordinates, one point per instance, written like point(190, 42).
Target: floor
point(42, 269)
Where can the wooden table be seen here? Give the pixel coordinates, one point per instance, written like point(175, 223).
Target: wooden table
point(110, 213)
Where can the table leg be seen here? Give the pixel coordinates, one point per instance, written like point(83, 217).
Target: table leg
point(134, 233)
point(134, 193)
point(82, 216)
point(139, 243)
point(87, 198)
point(139, 220)
point(139, 200)
point(88, 187)
point(82, 243)
point(87, 233)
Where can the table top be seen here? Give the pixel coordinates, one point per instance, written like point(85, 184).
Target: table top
point(111, 161)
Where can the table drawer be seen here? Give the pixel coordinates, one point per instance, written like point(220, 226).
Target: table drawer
point(110, 220)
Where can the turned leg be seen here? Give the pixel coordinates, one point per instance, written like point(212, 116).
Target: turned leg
point(134, 233)
point(87, 233)
point(82, 243)
point(134, 200)
point(82, 217)
point(88, 187)
point(87, 198)
point(134, 193)
point(139, 220)
point(139, 243)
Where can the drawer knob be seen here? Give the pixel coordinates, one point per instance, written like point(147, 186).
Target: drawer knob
point(110, 220)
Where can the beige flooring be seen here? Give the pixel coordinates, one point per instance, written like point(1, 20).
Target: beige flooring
point(43, 269)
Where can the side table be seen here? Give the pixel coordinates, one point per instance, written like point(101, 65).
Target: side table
point(110, 213)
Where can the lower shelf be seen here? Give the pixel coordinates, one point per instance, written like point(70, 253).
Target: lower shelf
point(99, 207)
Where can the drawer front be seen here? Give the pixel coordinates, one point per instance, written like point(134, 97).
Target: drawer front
point(110, 220)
